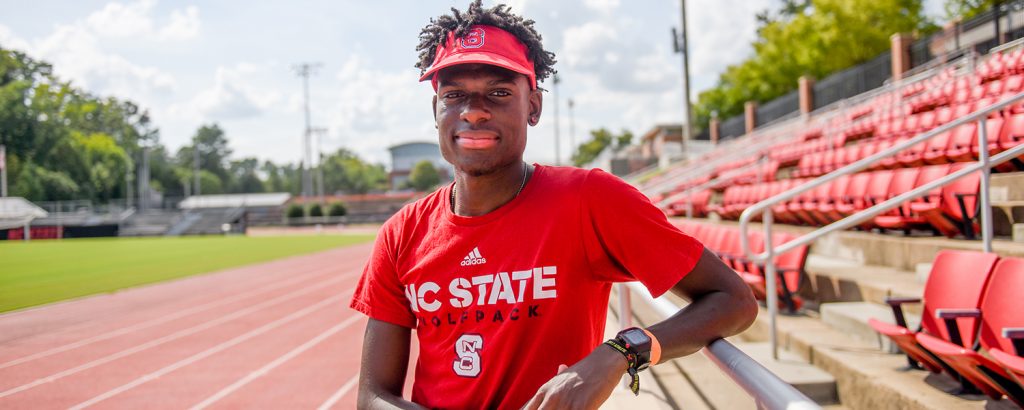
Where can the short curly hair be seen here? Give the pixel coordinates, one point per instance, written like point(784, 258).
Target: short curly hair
point(498, 16)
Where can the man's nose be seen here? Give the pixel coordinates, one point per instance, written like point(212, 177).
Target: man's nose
point(475, 110)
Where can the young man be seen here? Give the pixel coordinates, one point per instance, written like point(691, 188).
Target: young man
point(505, 274)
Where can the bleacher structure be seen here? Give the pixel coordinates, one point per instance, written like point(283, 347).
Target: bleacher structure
point(880, 223)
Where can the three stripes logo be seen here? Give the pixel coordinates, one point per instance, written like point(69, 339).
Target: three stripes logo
point(474, 258)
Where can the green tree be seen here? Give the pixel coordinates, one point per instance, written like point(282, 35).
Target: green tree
point(344, 171)
point(800, 39)
point(243, 176)
point(966, 9)
point(600, 139)
point(423, 176)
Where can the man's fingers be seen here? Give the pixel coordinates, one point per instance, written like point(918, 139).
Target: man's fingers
point(561, 368)
point(534, 403)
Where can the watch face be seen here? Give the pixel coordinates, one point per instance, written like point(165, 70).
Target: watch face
point(636, 338)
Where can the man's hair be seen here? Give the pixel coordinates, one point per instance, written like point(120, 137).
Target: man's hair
point(498, 16)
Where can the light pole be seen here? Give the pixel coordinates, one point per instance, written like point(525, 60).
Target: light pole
point(572, 131)
point(558, 156)
point(680, 44)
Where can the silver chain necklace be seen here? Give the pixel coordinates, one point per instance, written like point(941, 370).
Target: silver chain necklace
point(521, 186)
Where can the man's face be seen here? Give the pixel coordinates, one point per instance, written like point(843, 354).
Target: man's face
point(481, 113)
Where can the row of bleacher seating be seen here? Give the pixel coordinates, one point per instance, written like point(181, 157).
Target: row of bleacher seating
point(949, 210)
point(971, 304)
point(36, 232)
point(724, 241)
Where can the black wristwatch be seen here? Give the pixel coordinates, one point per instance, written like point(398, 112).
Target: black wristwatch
point(635, 345)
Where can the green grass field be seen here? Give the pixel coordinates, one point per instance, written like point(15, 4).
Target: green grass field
point(41, 272)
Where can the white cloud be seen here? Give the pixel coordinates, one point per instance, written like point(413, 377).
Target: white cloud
point(604, 6)
point(236, 93)
point(183, 25)
point(136, 21)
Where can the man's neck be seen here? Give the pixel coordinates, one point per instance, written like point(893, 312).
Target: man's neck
point(479, 195)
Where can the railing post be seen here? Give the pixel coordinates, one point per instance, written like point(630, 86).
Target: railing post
point(986, 172)
point(625, 307)
point(772, 297)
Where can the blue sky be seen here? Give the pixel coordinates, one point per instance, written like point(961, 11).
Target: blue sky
point(231, 62)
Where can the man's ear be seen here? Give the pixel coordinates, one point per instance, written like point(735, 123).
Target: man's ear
point(536, 106)
point(433, 108)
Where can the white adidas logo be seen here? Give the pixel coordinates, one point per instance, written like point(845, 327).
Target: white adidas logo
point(474, 258)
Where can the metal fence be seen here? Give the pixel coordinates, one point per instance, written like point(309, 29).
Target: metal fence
point(979, 34)
point(733, 127)
point(853, 80)
point(778, 108)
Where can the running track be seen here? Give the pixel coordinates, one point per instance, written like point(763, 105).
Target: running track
point(275, 335)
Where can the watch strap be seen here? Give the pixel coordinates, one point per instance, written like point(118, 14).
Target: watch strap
point(631, 361)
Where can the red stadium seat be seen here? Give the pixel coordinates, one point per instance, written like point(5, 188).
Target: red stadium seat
point(906, 218)
point(1000, 309)
point(956, 281)
point(789, 268)
point(955, 210)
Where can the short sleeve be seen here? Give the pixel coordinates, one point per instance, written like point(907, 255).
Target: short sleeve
point(380, 294)
point(627, 238)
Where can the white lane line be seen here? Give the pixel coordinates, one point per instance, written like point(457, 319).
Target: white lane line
point(210, 351)
point(173, 336)
point(276, 362)
point(331, 401)
point(161, 320)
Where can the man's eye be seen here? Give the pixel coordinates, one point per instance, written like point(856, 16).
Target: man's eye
point(452, 94)
point(501, 93)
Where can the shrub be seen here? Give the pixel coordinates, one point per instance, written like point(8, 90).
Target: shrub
point(295, 211)
point(316, 210)
point(337, 209)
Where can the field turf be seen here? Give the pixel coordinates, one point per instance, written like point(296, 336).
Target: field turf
point(47, 271)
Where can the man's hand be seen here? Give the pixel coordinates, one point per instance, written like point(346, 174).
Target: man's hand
point(585, 385)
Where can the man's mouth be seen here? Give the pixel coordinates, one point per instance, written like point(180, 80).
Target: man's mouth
point(476, 139)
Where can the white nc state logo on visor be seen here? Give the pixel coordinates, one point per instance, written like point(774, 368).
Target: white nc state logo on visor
point(473, 39)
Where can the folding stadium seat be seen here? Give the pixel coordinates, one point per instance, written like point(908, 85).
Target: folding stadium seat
point(943, 115)
point(914, 155)
point(906, 218)
point(828, 162)
point(999, 310)
point(994, 88)
point(977, 92)
point(875, 190)
point(964, 146)
point(926, 122)
point(789, 268)
point(955, 209)
point(791, 212)
point(892, 161)
point(1011, 135)
point(956, 281)
point(1012, 84)
point(825, 209)
point(808, 210)
point(935, 148)
point(854, 193)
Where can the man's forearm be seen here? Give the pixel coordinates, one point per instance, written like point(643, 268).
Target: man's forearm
point(715, 315)
point(386, 401)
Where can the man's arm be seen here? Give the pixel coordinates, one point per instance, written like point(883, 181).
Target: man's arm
point(384, 363)
point(721, 305)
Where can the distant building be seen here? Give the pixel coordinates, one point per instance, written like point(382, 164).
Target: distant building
point(405, 156)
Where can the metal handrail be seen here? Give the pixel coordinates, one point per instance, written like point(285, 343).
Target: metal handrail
point(768, 390)
point(703, 168)
point(984, 164)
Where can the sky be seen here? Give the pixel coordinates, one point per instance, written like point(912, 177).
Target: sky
point(233, 63)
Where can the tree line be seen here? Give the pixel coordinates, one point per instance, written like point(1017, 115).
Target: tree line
point(66, 143)
point(817, 38)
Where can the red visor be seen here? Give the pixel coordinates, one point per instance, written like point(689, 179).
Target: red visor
point(483, 45)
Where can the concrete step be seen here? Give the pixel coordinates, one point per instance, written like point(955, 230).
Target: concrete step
point(851, 318)
point(813, 382)
point(839, 280)
point(866, 377)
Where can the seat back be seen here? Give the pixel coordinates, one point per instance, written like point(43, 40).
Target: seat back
point(957, 281)
point(903, 180)
point(1001, 305)
point(877, 188)
point(966, 187)
point(929, 174)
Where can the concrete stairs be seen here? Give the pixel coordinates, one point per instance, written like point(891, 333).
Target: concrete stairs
point(849, 276)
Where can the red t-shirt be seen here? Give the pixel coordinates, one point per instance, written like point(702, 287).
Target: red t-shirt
point(500, 300)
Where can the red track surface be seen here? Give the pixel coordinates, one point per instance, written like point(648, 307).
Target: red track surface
point(275, 335)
